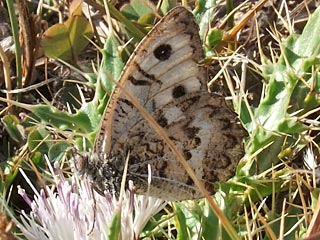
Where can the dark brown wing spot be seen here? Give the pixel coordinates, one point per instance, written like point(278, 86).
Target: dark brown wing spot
point(191, 132)
point(145, 74)
point(187, 154)
point(178, 91)
point(190, 181)
point(163, 52)
point(138, 82)
point(162, 169)
point(197, 141)
point(162, 121)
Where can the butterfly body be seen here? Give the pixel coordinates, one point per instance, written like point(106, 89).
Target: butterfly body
point(166, 79)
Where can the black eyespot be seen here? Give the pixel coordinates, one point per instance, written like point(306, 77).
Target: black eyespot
point(178, 91)
point(163, 52)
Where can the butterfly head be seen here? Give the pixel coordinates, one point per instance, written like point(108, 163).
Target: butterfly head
point(101, 174)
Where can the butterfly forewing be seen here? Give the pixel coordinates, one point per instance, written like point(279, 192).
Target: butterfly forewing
point(165, 77)
point(151, 79)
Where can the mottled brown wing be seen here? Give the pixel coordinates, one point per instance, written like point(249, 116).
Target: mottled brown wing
point(164, 60)
point(203, 128)
point(165, 77)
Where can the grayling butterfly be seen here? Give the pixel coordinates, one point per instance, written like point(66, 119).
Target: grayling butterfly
point(165, 77)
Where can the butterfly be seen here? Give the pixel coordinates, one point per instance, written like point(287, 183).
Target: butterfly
point(166, 78)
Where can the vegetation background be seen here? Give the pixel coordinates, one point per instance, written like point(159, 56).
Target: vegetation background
point(59, 59)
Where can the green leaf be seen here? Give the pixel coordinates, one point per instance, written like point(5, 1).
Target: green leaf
point(311, 101)
point(115, 226)
point(112, 64)
point(136, 33)
point(110, 71)
point(210, 222)
point(9, 175)
point(291, 126)
point(38, 159)
point(66, 41)
point(57, 151)
point(137, 9)
point(56, 43)
point(14, 128)
point(203, 13)
point(180, 222)
point(39, 140)
point(213, 38)
point(63, 120)
point(80, 31)
point(167, 5)
point(307, 45)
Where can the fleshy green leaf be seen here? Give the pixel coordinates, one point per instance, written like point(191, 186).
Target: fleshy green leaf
point(65, 41)
point(56, 43)
point(13, 127)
